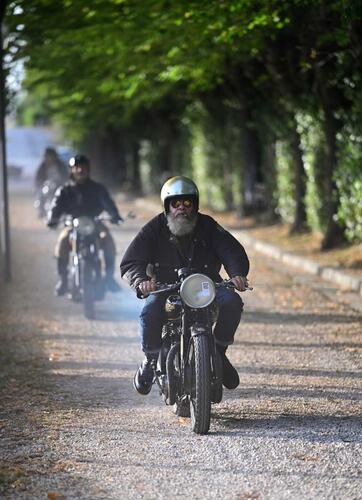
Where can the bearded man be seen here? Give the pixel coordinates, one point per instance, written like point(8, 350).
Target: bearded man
point(182, 237)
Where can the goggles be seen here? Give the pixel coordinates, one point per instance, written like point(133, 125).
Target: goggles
point(186, 202)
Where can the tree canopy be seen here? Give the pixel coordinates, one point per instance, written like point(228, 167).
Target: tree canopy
point(263, 71)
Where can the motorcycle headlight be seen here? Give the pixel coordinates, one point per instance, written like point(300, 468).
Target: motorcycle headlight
point(84, 225)
point(197, 291)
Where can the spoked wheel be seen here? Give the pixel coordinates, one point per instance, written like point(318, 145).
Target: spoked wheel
point(200, 400)
point(88, 289)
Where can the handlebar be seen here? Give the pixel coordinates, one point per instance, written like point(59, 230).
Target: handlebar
point(229, 284)
point(166, 287)
point(67, 220)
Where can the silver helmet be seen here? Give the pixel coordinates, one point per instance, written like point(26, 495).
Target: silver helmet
point(177, 187)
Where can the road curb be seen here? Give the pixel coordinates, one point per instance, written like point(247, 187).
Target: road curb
point(343, 280)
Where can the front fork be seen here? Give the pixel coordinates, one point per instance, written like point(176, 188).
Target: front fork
point(202, 326)
point(76, 258)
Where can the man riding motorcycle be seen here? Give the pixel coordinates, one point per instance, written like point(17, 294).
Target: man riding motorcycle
point(183, 237)
point(83, 197)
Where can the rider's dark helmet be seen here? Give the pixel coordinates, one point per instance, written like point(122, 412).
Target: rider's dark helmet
point(78, 160)
point(179, 187)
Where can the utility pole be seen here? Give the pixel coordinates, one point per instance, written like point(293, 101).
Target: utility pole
point(5, 261)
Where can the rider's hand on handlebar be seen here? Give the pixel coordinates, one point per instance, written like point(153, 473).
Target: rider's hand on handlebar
point(145, 287)
point(241, 283)
point(52, 224)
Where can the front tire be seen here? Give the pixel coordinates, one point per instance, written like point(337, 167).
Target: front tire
point(88, 289)
point(200, 398)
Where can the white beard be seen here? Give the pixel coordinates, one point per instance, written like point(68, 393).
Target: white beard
point(180, 225)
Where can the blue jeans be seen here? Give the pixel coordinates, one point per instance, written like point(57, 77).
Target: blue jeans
point(153, 316)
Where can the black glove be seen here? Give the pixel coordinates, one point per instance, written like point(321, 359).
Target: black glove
point(52, 224)
point(116, 219)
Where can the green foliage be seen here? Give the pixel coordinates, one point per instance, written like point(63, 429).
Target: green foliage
point(313, 148)
point(137, 65)
point(209, 191)
point(217, 156)
point(349, 184)
point(285, 190)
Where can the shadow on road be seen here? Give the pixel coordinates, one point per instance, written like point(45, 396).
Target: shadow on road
point(89, 392)
point(265, 317)
point(293, 345)
point(317, 429)
point(295, 372)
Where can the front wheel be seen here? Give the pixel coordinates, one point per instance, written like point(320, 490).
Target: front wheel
point(200, 397)
point(88, 289)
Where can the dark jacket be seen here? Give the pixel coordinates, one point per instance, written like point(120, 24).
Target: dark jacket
point(209, 247)
point(54, 170)
point(89, 198)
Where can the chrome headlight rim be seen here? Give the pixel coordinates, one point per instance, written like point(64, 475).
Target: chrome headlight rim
point(84, 225)
point(198, 291)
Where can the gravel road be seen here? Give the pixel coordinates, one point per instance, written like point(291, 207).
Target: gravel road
point(72, 426)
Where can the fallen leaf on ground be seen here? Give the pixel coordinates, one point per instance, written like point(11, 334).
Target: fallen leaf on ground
point(53, 495)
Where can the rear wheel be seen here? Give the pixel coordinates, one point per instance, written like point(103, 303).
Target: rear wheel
point(88, 289)
point(182, 408)
point(200, 400)
point(99, 283)
point(173, 373)
point(216, 386)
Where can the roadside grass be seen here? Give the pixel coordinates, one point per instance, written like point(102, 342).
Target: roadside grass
point(347, 257)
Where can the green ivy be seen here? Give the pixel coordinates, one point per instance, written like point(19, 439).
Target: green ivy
point(349, 184)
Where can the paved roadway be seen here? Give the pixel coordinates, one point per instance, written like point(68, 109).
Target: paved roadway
point(72, 425)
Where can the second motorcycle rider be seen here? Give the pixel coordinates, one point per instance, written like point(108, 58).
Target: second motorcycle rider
point(83, 196)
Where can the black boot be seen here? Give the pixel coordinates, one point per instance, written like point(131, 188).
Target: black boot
point(143, 378)
point(230, 377)
point(62, 286)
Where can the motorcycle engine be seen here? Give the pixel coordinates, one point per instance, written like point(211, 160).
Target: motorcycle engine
point(173, 307)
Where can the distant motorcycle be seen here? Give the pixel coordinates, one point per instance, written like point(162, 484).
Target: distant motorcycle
point(86, 281)
point(45, 196)
point(189, 367)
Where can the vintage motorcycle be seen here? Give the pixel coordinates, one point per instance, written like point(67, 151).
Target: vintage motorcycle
point(86, 281)
point(189, 367)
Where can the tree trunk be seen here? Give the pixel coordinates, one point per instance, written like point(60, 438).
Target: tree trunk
point(136, 174)
point(250, 163)
point(228, 178)
point(300, 216)
point(269, 170)
point(334, 233)
point(108, 156)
